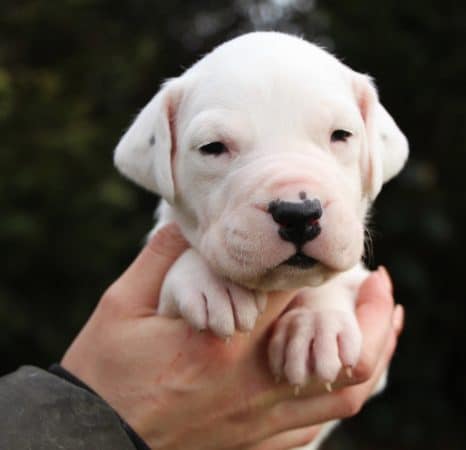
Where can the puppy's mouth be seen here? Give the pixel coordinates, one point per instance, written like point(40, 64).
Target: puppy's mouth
point(300, 260)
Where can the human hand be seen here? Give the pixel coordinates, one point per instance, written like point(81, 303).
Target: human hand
point(179, 388)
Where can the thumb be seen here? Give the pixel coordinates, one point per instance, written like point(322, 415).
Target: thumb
point(142, 281)
point(377, 284)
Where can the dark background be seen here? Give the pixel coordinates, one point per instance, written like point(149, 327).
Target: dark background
point(73, 74)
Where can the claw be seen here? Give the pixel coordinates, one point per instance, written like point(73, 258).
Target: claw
point(328, 386)
point(227, 340)
point(349, 371)
point(296, 389)
point(278, 378)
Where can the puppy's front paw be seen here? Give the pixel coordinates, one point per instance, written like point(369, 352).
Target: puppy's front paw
point(320, 343)
point(205, 300)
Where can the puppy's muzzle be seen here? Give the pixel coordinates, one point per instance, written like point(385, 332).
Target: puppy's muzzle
point(299, 221)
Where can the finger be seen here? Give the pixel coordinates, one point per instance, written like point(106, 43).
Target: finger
point(290, 439)
point(374, 311)
point(398, 319)
point(141, 282)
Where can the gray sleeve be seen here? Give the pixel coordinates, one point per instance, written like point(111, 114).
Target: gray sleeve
point(40, 411)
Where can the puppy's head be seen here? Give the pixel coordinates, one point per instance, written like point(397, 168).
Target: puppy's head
point(270, 152)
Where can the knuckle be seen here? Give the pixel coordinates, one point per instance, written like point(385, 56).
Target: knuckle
point(112, 300)
point(350, 404)
point(363, 370)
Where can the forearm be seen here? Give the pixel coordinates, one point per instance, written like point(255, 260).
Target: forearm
point(42, 411)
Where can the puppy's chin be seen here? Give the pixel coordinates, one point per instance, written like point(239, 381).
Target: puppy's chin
point(285, 277)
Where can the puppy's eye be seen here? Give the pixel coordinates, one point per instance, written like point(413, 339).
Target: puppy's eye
point(340, 136)
point(214, 148)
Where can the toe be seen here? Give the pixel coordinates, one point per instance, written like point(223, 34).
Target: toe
point(219, 312)
point(325, 356)
point(297, 352)
point(349, 343)
point(244, 307)
point(193, 309)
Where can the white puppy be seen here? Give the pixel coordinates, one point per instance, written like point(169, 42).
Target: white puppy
point(268, 154)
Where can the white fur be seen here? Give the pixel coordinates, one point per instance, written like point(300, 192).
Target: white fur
point(273, 100)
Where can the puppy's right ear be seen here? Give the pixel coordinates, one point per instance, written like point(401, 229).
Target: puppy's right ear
point(144, 153)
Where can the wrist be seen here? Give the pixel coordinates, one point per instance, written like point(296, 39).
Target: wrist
point(63, 373)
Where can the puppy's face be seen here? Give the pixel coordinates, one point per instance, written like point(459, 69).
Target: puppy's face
point(273, 151)
point(268, 174)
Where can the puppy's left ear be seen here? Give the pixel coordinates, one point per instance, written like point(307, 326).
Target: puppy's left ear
point(144, 153)
point(387, 147)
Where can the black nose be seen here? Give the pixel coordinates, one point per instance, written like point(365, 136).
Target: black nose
point(299, 222)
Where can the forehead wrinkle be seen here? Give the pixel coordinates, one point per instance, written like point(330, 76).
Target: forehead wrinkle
point(272, 98)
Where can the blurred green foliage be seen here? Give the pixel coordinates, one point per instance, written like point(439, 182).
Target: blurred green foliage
point(74, 73)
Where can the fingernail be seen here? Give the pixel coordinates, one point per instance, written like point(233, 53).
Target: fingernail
point(385, 278)
point(398, 318)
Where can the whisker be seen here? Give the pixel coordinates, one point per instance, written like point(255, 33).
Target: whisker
point(368, 255)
